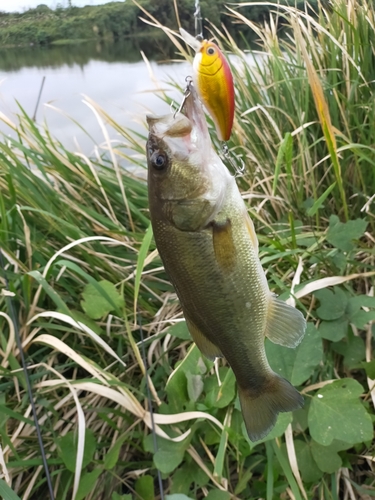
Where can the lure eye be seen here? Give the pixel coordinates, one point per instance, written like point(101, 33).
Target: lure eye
point(211, 51)
point(159, 160)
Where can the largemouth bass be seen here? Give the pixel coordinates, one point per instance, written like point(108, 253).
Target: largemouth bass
point(209, 248)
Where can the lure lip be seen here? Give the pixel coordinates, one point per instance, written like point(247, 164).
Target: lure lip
point(191, 40)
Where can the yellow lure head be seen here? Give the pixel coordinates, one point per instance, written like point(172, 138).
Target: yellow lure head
point(214, 83)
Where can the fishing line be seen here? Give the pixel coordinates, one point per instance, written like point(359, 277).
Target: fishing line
point(13, 317)
point(161, 487)
point(198, 21)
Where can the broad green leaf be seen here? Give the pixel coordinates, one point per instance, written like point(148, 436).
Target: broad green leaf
point(332, 303)
point(342, 234)
point(370, 368)
point(180, 331)
point(67, 449)
point(359, 301)
point(182, 479)
point(168, 460)
point(95, 304)
point(112, 456)
point(296, 365)
point(194, 386)
point(87, 483)
point(243, 481)
point(310, 472)
point(353, 350)
point(336, 412)
point(220, 396)
point(6, 492)
point(177, 383)
point(116, 496)
point(334, 330)
point(218, 495)
point(362, 318)
point(326, 457)
point(144, 487)
point(177, 496)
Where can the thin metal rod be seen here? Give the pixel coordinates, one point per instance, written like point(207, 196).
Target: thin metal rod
point(161, 488)
point(39, 96)
point(28, 384)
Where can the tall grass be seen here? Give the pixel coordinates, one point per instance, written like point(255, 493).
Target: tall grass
point(84, 274)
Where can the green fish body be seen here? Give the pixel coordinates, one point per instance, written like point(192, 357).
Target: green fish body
point(209, 248)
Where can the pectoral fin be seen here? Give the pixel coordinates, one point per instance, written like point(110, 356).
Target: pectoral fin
point(225, 252)
point(251, 230)
point(210, 350)
point(285, 324)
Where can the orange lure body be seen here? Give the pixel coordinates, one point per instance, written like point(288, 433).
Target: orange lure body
point(214, 83)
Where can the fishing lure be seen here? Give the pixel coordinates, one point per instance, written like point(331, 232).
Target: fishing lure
point(214, 83)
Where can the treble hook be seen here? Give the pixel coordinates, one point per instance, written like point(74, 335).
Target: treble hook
point(187, 92)
point(238, 170)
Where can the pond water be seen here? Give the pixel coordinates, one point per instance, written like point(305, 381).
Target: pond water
point(113, 75)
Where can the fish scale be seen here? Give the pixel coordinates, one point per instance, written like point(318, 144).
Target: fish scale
point(209, 248)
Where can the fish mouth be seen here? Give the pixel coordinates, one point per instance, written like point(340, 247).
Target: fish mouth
point(189, 123)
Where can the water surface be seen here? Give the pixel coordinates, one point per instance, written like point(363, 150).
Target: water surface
point(113, 75)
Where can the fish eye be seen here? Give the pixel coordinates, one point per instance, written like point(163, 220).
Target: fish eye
point(159, 160)
point(211, 51)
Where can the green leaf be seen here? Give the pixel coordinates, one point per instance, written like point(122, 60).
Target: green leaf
point(362, 318)
point(336, 412)
point(168, 460)
point(285, 150)
point(194, 386)
point(296, 365)
point(112, 456)
point(218, 495)
point(332, 303)
point(220, 396)
point(334, 330)
point(353, 350)
point(310, 472)
point(319, 202)
point(6, 493)
point(87, 483)
point(177, 496)
point(243, 481)
point(356, 303)
point(67, 449)
point(342, 234)
point(116, 496)
point(180, 331)
point(177, 383)
point(370, 368)
point(326, 457)
point(95, 304)
point(182, 479)
point(144, 486)
point(141, 260)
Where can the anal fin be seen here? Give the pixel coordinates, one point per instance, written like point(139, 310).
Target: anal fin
point(208, 348)
point(285, 324)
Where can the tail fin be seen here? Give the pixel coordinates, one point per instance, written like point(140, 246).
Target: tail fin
point(260, 411)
